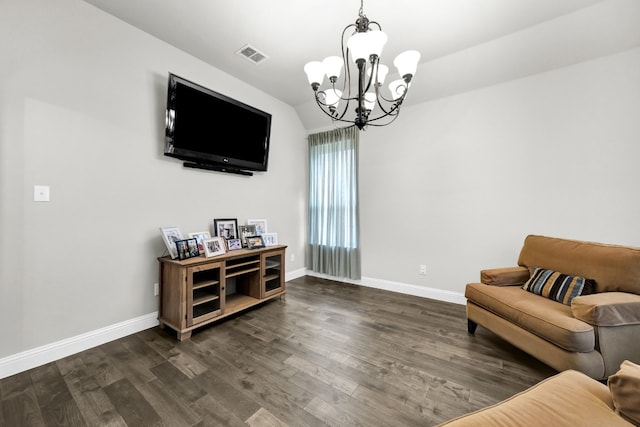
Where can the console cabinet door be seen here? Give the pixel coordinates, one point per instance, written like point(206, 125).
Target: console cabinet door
point(205, 293)
point(272, 272)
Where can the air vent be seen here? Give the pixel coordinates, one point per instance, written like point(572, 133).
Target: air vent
point(252, 54)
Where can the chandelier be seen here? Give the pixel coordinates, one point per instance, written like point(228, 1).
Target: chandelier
point(365, 45)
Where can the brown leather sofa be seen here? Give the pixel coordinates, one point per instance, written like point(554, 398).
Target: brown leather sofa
point(568, 399)
point(593, 333)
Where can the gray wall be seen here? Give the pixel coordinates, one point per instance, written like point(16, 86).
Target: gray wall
point(82, 98)
point(457, 183)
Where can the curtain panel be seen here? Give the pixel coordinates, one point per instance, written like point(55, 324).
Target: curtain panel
point(334, 232)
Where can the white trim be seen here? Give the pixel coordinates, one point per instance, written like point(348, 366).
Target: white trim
point(403, 288)
point(39, 356)
point(295, 274)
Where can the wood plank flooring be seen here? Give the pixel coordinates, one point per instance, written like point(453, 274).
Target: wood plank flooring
point(331, 354)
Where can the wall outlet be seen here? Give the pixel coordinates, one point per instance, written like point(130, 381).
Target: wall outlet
point(292, 257)
point(156, 289)
point(423, 269)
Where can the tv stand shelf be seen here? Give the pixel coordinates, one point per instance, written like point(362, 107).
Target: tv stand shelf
point(198, 291)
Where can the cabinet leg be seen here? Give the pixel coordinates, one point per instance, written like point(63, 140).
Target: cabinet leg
point(471, 326)
point(184, 335)
point(283, 297)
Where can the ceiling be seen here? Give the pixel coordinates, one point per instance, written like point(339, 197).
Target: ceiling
point(513, 38)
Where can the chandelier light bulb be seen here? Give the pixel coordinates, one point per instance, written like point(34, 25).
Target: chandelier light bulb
point(332, 66)
point(363, 45)
point(315, 72)
point(407, 63)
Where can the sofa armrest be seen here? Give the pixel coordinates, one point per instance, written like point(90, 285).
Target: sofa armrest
point(508, 276)
point(607, 308)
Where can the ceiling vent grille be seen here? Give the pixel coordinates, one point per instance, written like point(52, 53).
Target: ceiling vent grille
point(252, 54)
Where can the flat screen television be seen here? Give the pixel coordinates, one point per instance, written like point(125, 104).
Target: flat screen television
point(212, 131)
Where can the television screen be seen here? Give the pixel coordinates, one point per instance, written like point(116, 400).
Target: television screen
point(214, 131)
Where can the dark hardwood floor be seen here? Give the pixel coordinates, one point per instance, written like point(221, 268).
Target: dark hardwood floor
point(331, 354)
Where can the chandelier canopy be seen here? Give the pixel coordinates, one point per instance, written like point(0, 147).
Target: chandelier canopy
point(365, 45)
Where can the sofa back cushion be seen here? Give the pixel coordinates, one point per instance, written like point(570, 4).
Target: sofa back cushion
point(614, 268)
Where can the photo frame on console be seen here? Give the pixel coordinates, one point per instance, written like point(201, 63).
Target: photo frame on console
point(187, 248)
point(214, 246)
point(200, 237)
point(255, 242)
point(261, 225)
point(170, 235)
point(270, 239)
point(226, 227)
point(234, 244)
point(245, 231)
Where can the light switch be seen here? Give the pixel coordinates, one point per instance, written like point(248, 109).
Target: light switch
point(40, 193)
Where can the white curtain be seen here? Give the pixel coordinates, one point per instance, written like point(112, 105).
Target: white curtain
point(334, 233)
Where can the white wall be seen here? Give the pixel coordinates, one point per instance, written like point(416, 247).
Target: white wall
point(457, 183)
point(82, 98)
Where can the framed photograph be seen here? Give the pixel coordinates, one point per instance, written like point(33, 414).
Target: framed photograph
point(270, 239)
point(261, 225)
point(187, 248)
point(255, 242)
point(227, 228)
point(200, 237)
point(213, 247)
point(246, 231)
point(234, 244)
point(170, 235)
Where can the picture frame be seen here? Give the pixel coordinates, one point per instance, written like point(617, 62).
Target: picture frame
point(200, 237)
point(187, 248)
point(226, 227)
point(234, 244)
point(170, 235)
point(255, 242)
point(270, 239)
point(245, 231)
point(261, 225)
point(214, 247)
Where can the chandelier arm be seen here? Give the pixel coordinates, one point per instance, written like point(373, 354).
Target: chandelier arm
point(326, 109)
point(395, 103)
point(372, 121)
point(392, 112)
point(345, 61)
point(376, 24)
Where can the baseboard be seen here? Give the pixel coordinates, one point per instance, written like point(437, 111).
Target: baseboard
point(403, 288)
point(39, 356)
point(290, 275)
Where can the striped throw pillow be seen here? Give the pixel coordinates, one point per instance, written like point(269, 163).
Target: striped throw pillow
point(557, 286)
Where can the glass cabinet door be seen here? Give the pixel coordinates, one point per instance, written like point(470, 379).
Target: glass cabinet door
point(205, 293)
point(273, 273)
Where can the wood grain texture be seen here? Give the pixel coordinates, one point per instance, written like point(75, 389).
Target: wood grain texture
point(331, 354)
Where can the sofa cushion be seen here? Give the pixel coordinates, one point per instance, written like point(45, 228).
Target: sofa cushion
point(541, 316)
point(607, 309)
point(625, 391)
point(614, 268)
point(507, 276)
point(557, 286)
point(567, 399)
